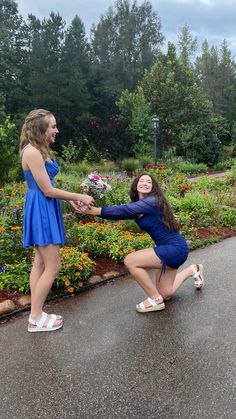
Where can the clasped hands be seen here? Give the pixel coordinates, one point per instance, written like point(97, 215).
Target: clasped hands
point(81, 207)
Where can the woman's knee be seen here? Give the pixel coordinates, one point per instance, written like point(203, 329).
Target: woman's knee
point(53, 267)
point(129, 261)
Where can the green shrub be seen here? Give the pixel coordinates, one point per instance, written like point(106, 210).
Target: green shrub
point(224, 165)
point(75, 270)
point(17, 276)
point(228, 218)
point(130, 165)
point(192, 168)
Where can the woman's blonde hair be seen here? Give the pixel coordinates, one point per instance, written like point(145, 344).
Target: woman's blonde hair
point(34, 131)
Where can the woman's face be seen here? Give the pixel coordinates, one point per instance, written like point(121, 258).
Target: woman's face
point(144, 185)
point(52, 130)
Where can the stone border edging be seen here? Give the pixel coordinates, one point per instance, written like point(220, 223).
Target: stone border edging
point(18, 311)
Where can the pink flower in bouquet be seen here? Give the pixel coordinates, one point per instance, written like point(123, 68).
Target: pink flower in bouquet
point(95, 177)
point(95, 185)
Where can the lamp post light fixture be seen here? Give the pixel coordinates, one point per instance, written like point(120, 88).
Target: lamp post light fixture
point(155, 124)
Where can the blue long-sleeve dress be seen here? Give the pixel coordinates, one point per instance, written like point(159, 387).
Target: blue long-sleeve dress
point(171, 247)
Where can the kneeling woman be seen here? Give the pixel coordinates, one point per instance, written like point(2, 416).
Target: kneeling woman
point(151, 211)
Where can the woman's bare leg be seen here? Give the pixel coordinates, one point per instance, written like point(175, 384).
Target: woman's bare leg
point(168, 285)
point(50, 255)
point(138, 264)
point(37, 270)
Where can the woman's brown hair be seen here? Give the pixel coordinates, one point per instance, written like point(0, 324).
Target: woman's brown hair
point(34, 131)
point(168, 216)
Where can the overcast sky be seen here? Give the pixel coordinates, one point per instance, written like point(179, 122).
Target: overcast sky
point(213, 20)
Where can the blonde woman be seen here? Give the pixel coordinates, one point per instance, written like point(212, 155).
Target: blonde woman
point(43, 224)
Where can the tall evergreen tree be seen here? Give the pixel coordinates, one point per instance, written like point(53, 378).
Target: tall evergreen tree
point(187, 44)
point(124, 43)
point(45, 78)
point(171, 89)
point(12, 51)
point(75, 68)
point(217, 74)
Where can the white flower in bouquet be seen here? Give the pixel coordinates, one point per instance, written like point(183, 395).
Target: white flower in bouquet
point(95, 185)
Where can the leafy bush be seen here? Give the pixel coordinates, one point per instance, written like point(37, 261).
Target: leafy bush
point(224, 165)
point(75, 270)
point(17, 276)
point(70, 152)
point(130, 165)
point(108, 239)
point(119, 194)
point(192, 168)
point(11, 245)
point(8, 150)
point(188, 168)
point(228, 218)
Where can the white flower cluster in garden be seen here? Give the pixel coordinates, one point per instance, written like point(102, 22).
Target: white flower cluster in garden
point(95, 185)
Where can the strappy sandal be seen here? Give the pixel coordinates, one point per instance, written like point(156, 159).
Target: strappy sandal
point(47, 323)
point(198, 276)
point(154, 305)
point(58, 316)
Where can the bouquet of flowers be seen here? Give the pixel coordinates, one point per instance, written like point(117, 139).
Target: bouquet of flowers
point(95, 185)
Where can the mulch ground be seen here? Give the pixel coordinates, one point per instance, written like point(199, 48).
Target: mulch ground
point(207, 233)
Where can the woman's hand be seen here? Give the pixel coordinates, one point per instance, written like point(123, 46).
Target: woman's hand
point(79, 206)
point(87, 200)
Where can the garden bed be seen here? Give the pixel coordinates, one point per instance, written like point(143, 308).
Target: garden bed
point(106, 265)
point(103, 266)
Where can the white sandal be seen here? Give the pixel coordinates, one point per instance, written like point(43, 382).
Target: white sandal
point(154, 305)
point(58, 316)
point(45, 324)
point(198, 276)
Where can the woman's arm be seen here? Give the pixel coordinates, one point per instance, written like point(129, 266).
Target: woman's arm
point(120, 212)
point(32, 158)
point(83, 209)
point(129, 211)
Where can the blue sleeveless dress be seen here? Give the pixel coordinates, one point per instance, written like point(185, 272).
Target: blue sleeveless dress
point(43, 222)
point(171, 247)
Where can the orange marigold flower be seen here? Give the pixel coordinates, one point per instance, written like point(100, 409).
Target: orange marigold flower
point(186, 187)
point(80, 284)
point(17, 228)
point(68, 265)
point(77, 273)
point(67, 283)
point(71, 289)
point(2, 229)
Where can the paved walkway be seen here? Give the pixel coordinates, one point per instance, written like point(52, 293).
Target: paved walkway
point(111, 362)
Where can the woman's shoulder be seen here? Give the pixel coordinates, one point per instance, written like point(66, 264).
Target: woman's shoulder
point(150, 200)
point(30, 150)
point(31, 155)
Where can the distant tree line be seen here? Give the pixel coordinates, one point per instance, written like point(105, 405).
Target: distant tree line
point(104, 91)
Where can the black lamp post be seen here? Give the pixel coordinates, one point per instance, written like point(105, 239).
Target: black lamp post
point(155, 124)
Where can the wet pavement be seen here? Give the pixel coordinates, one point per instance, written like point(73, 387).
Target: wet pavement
point(111, 362)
